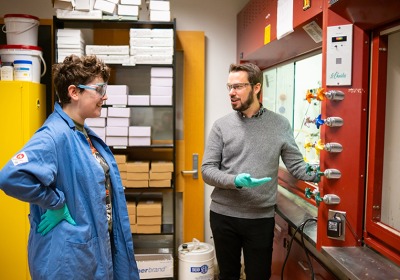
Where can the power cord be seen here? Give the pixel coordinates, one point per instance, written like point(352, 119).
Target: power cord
point(301, 229)
point(358, 239)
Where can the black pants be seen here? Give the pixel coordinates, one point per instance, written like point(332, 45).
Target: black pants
point(254, 236)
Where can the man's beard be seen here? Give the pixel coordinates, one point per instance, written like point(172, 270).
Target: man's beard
point(246, 105)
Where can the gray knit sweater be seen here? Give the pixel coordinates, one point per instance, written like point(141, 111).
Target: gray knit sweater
point(249, 145)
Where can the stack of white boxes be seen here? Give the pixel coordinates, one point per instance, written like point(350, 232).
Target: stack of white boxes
point(129, 8)
point(118, 116)
point(98, 125)
point(97, 9)
point(151, 46)
point(69, 41)
point(161, 86)
point(139, 136)
point(76, 9)
point(110, 54)
point(159, 10)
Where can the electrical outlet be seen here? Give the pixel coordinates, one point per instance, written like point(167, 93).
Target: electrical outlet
point(337, 224)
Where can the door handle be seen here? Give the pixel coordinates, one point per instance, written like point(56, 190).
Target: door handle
point(194, 171)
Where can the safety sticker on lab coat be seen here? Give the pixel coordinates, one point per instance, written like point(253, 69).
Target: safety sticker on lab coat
point(20, 158)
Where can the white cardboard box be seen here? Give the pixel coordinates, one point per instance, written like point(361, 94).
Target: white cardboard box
point(103, 113)
point(115, 58)
point(119, 112)
point(128, 10)
point(118, 121)
point(161, 81)
point(63, 4)
point(117, 89)
point(161, 91)
point(69, 40)
point(117, 131)
point(116, 141)
point(120, 99)
point(107, 49)
point(105, 6)
point(160, 15)
point(100, 131)
point(140, 131)
point(91, 15)
point(84, 5)
point(131, 2)
point(152, 51)
point(160, 100)
point(151, 33)
point(151, 42)
point(161, 72)
point(155, 265)
point(96, 122)
point(69, 32)
point(139, 141)
point(153, 59)
point(141, 100)
point(159, 5)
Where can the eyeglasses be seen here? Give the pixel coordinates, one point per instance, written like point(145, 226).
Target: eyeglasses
point(100, 88)
point(238, 86)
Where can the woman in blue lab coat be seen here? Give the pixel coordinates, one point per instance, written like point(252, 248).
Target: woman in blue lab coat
point(78, 215)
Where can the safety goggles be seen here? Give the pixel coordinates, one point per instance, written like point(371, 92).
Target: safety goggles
point(100, 88)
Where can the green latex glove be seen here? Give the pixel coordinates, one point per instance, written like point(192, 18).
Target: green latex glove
point(53, 217)
point(245, 180)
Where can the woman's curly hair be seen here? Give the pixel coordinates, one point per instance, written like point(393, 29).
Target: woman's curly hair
point(76, 70)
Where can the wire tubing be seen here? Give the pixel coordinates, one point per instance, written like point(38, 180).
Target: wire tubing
point(301, 229)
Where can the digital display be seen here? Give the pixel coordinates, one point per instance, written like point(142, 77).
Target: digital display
point(339, 39)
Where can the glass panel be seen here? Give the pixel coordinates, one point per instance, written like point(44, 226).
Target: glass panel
point(308, 77)
point(269, 89)
point(390, 187)
point(284, 91)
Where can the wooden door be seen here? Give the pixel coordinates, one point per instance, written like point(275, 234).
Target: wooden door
point(190, 142)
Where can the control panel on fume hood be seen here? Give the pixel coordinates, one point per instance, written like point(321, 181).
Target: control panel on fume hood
point(339, 55)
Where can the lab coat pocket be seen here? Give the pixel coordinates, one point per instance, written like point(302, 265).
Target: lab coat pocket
point(82, 260)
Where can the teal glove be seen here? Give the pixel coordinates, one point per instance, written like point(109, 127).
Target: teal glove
point(53, 217)
point(244, 180)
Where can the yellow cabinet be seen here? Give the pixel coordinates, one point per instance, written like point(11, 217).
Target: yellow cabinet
point(23, 111)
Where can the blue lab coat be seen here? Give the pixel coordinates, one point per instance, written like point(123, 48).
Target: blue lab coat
point(56, 167)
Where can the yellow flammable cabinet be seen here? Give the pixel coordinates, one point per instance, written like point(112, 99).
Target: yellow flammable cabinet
point(23, 111)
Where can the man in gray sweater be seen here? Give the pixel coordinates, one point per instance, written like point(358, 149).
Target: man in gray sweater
point(241, 161)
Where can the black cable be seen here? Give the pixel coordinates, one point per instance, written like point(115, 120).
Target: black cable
point(300, 227)
point(305, 249)
point(350, 227)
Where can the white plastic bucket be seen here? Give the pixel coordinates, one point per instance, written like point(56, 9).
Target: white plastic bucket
point(9, 53)
point(196, 261)
point(21, 29)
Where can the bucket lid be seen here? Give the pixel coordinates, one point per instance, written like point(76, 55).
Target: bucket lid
point(196, 251)
point(21, 15)
point(23, 47)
